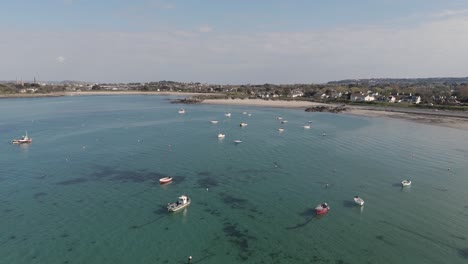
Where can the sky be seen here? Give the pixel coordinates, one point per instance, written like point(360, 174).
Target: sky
point(232, 42)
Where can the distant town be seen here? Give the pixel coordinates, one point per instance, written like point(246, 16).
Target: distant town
point(448, 93)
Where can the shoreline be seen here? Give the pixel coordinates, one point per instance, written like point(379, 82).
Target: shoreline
point(423, 116)
point(452, 119)
point(85, 93)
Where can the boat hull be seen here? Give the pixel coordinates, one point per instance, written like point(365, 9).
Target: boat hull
point(21, 141)
point(165, 180)
point(174, 207)
point(320, 210)
point(359, 202)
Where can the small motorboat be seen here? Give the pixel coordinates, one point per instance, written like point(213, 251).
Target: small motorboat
point(322, 208)
point(281, 129)
point(165, 180)
point(244, 113)
point(227, 114)
point(284, 121)
point(181, 203)
point(323, 134)
point(249, 114)
point(238, 141)
point(309, 121)
point(279, 118)
point(406, 183)
point(306, 127)
point(242, 124)
point(214, 121)
point(181, 111)
point(23, 140)
point(220, 135)
point(358, 200)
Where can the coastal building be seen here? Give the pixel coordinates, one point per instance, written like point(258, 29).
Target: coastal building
point(358, 97)
point(297, 93)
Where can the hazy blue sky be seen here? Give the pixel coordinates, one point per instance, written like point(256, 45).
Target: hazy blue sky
point(241, 41)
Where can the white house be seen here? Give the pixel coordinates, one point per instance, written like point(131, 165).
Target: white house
point(297, 93)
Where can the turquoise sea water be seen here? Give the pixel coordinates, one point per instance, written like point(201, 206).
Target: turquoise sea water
point(86, 190)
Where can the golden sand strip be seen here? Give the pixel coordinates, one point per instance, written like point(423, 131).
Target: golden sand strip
point(432, 119)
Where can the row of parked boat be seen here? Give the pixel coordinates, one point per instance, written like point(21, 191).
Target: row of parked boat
point(323, 208)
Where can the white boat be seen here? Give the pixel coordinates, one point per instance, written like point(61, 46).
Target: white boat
point(406, 183)
point(24, 139)
point(220, 135)
point(181, 111)
point(244, 113)
point(181, 203)
point(237, 141)
point(306, 127)
point(242, 124)
point(280, 129)
point(214, 121)
point(249, 114)
point(358, 200)
point(227, 114)
point(279, 118)
point(284, 121)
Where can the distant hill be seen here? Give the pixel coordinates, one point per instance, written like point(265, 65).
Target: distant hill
point(405, 81)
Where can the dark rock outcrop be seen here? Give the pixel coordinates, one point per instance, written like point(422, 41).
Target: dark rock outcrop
point(187, 101)
point(329, 109)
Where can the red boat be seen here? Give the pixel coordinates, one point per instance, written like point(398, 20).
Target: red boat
point(165, 180)
point(322, 208)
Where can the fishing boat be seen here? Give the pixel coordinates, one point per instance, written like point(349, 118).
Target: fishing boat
point(280, 129)
point(306, 127)
point(406, 183)
point(181, 203)
point(242, 124)
point(358, 200)
point(322, 208)
point(237, 141)
point(220, 135)
point(284, 121)
point(214, 121)
point(181, 111)
point(165, 180)
point(227, 114)
point(23, 140)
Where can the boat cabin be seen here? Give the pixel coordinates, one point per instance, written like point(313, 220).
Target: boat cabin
point(182, 200)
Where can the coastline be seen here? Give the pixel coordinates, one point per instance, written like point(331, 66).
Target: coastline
point(422, 116)
point(59, 94)
point(452, 119)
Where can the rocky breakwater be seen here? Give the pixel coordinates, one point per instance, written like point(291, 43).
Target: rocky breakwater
point(330, 109)
point(187, 101)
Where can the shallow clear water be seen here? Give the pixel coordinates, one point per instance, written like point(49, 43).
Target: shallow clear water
point(86, 190)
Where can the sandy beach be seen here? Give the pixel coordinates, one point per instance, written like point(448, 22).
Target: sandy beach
point(457, 120)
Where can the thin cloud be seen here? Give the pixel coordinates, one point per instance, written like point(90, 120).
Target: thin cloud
point(430, 48)
point(60, 59)
point(205, 29)
point(450, 13)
